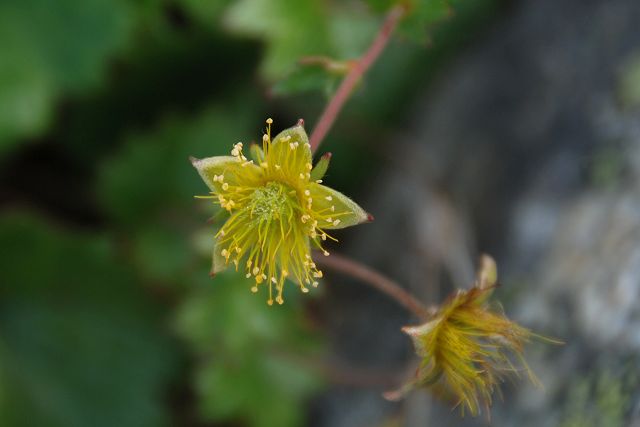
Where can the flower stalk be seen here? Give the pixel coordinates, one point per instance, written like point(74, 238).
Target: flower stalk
point(376, 280)
point(357, 70)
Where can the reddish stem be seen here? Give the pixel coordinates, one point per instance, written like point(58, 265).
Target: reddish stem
point(377, 280)
point(355, 74)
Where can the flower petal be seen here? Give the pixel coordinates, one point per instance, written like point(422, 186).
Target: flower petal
point(289, 155)
point(233, 171)
point(335, 210)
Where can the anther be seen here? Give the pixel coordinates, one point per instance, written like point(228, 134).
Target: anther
point(269, 120)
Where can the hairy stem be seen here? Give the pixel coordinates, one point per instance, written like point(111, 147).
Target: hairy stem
point(376, 280)
point(356, 72)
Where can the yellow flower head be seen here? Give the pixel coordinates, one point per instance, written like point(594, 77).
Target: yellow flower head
point(467, 347)
point(278, 208)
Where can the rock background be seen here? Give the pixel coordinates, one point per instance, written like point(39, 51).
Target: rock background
point(526, 151)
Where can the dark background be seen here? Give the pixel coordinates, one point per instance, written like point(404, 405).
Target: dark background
point(512, 128)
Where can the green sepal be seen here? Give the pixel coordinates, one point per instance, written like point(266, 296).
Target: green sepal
point(218, 262)
point(230, 167)
point(256, 153)
point(321, 167)
point(346, 210)
point(280, 151)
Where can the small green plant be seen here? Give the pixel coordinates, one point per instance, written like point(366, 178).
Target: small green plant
point(278, 210)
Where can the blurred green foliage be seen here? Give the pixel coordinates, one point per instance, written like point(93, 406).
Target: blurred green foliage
point(602, 398)
point(107, 313)
point(249, 354)
point(80, 343)
point(47, 51)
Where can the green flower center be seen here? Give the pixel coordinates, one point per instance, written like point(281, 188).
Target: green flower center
point(273, 201)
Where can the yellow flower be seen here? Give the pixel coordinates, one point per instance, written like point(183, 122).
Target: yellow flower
point(278, 208)
point(467, 347)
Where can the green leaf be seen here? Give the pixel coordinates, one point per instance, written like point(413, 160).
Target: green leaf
point(152, 173)
point(421, 17)
point(207, 12)
point(249, 369)
point(81, 343)
point(291, 30)
point(49, 48)
point(162, 253)
point(307, 78)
